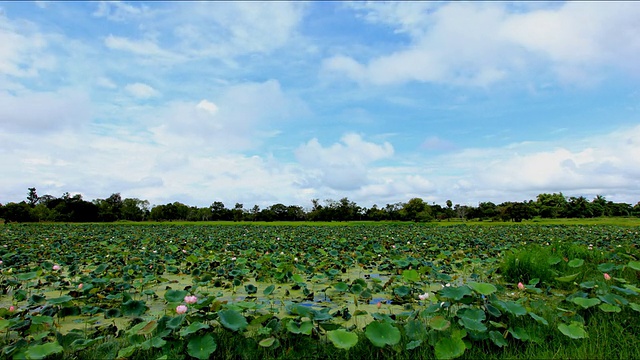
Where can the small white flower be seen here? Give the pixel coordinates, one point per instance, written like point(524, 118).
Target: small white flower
point(424, 296)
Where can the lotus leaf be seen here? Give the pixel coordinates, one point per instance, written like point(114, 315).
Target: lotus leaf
point(455, 293)
point(449, 348)
point(342, 339)
point(232, 320)
point(41, 351)
point(575, 330)
point(201, 347)
point(382, 333)
point(482, 288)
point(585, 303)
point(193, 328)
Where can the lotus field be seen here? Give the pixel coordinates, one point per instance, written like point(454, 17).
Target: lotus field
point(162, 291)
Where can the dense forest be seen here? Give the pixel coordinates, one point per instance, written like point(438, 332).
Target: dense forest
point(68, 208)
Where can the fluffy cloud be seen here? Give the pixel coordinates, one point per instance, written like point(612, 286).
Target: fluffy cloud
point(24, 50)
point(141, 91)
point(481, 43)
point(42, 112)
point(341, 166)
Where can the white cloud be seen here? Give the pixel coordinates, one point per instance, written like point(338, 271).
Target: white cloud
point(41, 112)
point(341, 166)
point(146, 48)
point(24, 50)
point(120, 11)
point(207, 106)
point(141, 91)
point(106, 83)
point(228, 29)
point(479, 44)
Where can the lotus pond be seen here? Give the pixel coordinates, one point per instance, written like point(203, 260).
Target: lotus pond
point(406, 290)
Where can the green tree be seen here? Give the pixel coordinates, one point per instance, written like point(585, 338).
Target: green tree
point(32, 197)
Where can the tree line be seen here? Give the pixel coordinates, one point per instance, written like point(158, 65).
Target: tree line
point(68, 208)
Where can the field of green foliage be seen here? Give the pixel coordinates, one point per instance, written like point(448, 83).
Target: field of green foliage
point(405, 291)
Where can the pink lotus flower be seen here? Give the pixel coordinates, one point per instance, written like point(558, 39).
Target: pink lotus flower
point(424, 296)
point(181, 309)
point(379, 304)
point(607, 276)
point(56, 267)
point(80, 286)
point(190, 299)
point(520, 286)
point(12, 308)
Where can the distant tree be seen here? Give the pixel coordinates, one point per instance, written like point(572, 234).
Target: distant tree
point(578, 207)
point(134, 209)
point(32, 197)
point(551, 206)
point(415, 207)
point(238, 212)
point(219, 211)
point(17, 212)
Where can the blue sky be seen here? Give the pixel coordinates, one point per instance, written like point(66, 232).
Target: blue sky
point(283, 102)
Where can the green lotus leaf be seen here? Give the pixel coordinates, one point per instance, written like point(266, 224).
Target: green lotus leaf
point(192, 328)
point(610, 308)
point(553, 260)
point(201, 347)
point(127, 351)
point(633, 306)
point(27, 276)
point(575, 263)
point(41, 351)
point(613, 299)
point(60, 300)
point(482, 288)
point(411, 275)
point(402, 291)
point(40, 320)
point(342, 287)
point(415, 330)
point(342, 339)
point(568, 278)
point(250, 289)
point(450, 348)
point(413, 344)
point(471, 314)
point(174, 296)
point(539, 319)
point(439, 323)
point(511, 307)
point(36, 299)
point(497, 338)
point(297, 278)
point(588, 284)
point(269, 290)
point(112, 313)
point(455, 293)
point(519, 333)
point(606, 267)
point(382, 333)
point(574, 330)
point(134, 308)
point(303, 328)
point(473, 325)
point(175, 322)
point(232, 320)
point(586, 302)
point(267, 342)
point(635, 265)
point(356, 288)
point(100, 269)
